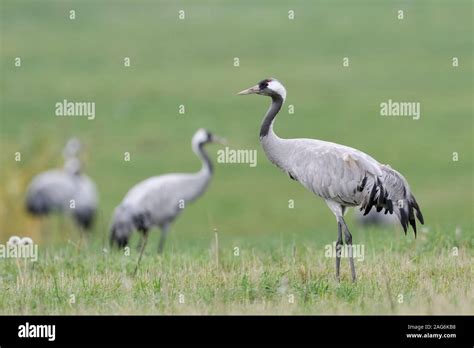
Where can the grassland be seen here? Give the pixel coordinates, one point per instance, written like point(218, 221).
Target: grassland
point(190, 62)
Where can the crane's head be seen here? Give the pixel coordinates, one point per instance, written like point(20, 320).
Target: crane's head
point(203, 136)
point(73, 148)
point(270, 87)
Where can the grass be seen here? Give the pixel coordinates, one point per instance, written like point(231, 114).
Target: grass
point(190, 62)
point(401, 278)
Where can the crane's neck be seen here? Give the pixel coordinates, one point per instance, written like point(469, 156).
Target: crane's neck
point(267, 125)
point(72, 166)
point(272, 144)
point(207, 168)
point(202, 178)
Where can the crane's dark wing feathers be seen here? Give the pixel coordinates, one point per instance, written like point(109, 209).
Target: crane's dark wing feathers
point(392, 193)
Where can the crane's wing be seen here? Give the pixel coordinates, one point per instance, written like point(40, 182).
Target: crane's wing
point(50, 191)
point(160, 199)
point(348, 177)
point(154, 201)
point(392, 193)
point(86, 192)
point(330, 170)
point(86, 201)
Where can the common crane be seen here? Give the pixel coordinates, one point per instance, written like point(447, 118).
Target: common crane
point(65, 190)
point(341, 175)
point(157, 201)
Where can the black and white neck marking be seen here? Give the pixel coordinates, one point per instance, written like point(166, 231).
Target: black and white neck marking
point(201, 138)
point(275, 90)
point(206, 161)
point(277, 102)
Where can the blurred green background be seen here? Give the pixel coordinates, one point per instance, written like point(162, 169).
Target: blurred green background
point(190, 62)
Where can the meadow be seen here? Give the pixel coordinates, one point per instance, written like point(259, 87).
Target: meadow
point(267, 258)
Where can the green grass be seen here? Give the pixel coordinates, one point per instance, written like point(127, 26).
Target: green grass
point(400, 278)
point(191, 62)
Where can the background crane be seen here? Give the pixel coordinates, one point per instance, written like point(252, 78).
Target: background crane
point(157, 201)
point(67, 190)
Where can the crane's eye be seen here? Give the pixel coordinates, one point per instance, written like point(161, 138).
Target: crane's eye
point(263, 84)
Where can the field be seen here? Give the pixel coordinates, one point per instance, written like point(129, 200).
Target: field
point(240, 248)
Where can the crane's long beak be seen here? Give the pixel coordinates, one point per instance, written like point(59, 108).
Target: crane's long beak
point(219, 140)
point(252, 90)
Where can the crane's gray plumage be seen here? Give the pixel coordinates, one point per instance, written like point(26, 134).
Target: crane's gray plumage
point(341, 175)
point(53, 190)
point(157, 201)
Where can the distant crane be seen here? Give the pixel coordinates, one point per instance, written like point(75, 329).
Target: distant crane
point(65, 190)
point(341, 175)
point(157, 201)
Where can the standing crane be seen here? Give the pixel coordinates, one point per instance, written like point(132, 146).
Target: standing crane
point(65, 190)
point(341, 175)
point(157, 201)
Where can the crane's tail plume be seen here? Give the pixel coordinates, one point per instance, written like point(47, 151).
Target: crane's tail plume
point(36, 204)
point(392, 193)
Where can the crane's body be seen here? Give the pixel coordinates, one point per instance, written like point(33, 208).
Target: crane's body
point(157, 201)
point(163, 194)
point(330, 170)
point(341, 175)
point(66, 190)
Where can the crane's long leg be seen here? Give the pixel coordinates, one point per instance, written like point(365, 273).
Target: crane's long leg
point(348, 237)
point(338, 248)
point(143, 245)
point(140, 242)
point(164, 233)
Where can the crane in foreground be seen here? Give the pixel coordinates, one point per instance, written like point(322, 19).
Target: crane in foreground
point(67, 190)
point(343, 176)
point(157, 201)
